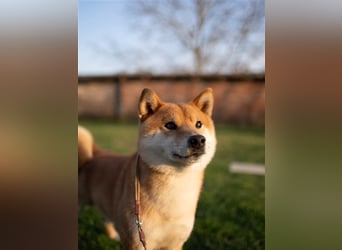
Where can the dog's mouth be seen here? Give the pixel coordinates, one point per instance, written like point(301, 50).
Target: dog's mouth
point(189, 156)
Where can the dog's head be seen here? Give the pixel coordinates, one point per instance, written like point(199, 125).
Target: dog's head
point(178, 135)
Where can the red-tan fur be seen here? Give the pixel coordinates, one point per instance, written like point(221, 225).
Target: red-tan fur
point(170, 187)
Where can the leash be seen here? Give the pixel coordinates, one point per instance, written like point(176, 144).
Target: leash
point(138, 221)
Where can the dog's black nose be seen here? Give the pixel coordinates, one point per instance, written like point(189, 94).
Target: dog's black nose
point(196, 141)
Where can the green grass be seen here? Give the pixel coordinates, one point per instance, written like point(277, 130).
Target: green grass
point(230, 212)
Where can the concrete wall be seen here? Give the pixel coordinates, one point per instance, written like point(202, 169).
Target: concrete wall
point(238, 99)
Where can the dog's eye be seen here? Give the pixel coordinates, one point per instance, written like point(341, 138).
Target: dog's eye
point(198, 124)
point(171, 125)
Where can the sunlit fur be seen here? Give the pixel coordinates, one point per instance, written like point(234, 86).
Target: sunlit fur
point(170, 173)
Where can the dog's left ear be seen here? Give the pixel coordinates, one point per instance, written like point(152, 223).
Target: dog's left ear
point(148, 104)
point(205, 101)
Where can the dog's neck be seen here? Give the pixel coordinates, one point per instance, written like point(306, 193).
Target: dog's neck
point(178, 187)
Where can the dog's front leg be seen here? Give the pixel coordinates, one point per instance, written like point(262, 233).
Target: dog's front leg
point(179, 248)
point(132, 246)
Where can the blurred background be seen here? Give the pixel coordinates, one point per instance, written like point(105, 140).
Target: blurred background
point(171, 37)
point(178, 48)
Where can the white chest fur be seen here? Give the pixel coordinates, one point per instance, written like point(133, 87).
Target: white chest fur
point(169, 207)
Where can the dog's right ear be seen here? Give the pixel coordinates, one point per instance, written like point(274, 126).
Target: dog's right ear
point(148, 104)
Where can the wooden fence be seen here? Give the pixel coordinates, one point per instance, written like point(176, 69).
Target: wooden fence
point(239, 99)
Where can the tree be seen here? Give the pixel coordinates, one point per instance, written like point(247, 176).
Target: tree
point(221, 35)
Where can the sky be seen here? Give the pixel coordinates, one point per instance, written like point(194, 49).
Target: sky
point(109, 43)
point(98, 23)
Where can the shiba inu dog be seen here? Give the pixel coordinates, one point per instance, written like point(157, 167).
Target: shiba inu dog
point(158, 186)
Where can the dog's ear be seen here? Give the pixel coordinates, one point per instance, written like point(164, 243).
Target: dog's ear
point(148, 104)
point(205, 101)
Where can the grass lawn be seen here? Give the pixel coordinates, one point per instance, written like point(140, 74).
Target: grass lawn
point(230, 212)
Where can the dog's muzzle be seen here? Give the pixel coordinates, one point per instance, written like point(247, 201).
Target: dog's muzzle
point(196, 147)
